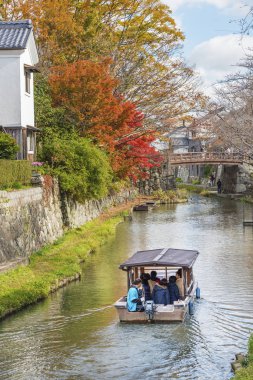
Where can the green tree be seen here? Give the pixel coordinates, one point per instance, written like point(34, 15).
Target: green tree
point(8, 147)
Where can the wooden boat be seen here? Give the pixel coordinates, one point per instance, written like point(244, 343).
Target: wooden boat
point(166, 262)
point(141, 207)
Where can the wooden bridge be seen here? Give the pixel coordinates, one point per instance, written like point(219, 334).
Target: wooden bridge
point(202, 158)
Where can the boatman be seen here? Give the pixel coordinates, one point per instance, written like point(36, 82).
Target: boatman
point(133, 300)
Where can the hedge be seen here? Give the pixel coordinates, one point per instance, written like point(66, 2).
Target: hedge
point(14, 172)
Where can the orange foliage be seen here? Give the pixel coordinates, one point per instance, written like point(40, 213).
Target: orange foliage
point(86, 90)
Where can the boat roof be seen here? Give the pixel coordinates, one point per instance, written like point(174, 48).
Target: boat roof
point(164, 257)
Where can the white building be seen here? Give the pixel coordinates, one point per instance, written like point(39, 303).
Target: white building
point(18, 57)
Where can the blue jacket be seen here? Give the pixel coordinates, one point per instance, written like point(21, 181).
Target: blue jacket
point(161, 295)
point(174, 292)
point(132, 295)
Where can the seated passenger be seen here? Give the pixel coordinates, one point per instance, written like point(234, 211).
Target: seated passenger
point(160, 293)
point(180, 283)
point(133, 300)
point(153, 280)
point(173, 289)
point(145, 277)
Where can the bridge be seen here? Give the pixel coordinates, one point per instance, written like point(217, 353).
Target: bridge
point(202, 158)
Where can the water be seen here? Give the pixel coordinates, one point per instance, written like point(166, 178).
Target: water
point(75, 334)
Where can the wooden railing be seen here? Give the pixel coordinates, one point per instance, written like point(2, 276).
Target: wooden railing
point(206, 158)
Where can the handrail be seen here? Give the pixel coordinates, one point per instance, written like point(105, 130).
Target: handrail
point(200, 157)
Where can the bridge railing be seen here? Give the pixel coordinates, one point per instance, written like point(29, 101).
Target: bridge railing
point(200, 157)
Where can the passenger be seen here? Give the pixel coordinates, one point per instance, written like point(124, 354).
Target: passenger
point(160, 293)
point(219, 185)
point(180, 283)
point(173, 290)
point(133, 300)
point(145, 277)
point(153, 280)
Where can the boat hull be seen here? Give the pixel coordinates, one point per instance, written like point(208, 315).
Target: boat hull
point(169, 314)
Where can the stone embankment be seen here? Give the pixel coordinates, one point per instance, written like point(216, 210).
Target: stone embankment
point(33, 218)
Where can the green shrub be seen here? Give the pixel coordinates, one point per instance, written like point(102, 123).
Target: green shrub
point(196, 182)
point(170, 196)
point(14, 174)
point(179, 180)
point(8, 147)
point(83, 170)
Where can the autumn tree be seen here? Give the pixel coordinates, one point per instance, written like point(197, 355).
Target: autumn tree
point(86, 90)
point(140, 37)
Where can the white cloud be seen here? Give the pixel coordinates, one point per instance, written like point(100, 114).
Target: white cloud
point(218, 57)
point(236, 7)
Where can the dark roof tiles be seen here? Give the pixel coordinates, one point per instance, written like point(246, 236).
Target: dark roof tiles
point(14, 34)
point(162, 257)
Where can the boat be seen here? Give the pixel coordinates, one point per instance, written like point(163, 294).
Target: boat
point(141, 207)
point(166, 262)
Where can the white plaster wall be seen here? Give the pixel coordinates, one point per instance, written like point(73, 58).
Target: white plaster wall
point(10, 102)
point(27, 100)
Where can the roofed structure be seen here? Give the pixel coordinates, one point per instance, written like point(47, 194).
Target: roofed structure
point(18, 60)
point(14, 34)
point(162, 257)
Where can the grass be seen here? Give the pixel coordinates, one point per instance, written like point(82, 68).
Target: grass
point(247, 199)
point(190, 187)
point(171, 196)
point(25, 285)
point(246, 373)
point(205, 193)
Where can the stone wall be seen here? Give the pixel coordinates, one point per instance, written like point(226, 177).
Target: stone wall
point(237, 179)
point(157, 179)
point(32, 218)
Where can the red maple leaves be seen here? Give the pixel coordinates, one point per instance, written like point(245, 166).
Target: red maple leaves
point(86, 90)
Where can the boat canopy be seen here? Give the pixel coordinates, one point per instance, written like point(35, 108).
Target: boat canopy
point(163, 257)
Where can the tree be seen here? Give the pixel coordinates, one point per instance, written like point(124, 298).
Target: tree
point(234, 124)
point(85, 89)
point(57, 30)
point(140, 37)
point(8, 147)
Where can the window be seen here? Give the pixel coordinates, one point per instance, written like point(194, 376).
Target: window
point(30, 141)
point(27, 81)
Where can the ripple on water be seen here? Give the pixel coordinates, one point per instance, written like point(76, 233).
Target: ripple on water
point(75, 335)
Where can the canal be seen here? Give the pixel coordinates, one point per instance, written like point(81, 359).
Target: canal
point(75, 334)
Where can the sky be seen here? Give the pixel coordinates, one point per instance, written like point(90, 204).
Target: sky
point(213, 44)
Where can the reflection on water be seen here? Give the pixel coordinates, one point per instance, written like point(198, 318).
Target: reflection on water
point(75, 334)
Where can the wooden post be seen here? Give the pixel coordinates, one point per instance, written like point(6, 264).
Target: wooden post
point(128, 279)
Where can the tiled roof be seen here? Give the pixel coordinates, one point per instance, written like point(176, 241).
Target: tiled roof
point(14, 34)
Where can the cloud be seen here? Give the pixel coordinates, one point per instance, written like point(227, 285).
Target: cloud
point(218, 57)
point(234, 7)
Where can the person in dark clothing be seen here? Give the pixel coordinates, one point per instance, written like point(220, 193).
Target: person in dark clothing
point(160, 293)
point(219, 186)
point(145, 277)
point(173, 289)
point(153, 280)
point(153, 276)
